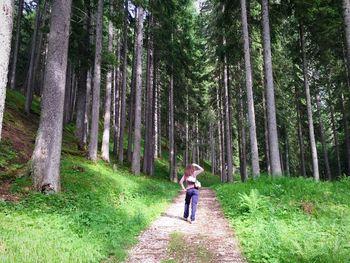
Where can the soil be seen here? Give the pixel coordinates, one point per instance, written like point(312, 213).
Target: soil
point(211, 230)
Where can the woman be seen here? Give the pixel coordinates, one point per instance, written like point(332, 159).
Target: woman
point(191, 172)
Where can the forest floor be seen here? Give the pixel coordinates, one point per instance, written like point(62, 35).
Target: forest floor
point(172, 239)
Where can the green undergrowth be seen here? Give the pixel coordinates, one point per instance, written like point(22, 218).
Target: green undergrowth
point(96, 217)
point(290, 219)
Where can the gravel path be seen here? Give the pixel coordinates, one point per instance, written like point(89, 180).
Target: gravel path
point(211, 230)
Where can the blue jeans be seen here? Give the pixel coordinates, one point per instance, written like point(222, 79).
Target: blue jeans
point(193, 194)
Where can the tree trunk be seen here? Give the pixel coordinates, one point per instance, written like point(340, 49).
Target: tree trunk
point(117, 102)
point(227, 123)
point(156, 109)
point(47, 150)
point(242, 137)
point(346, 13)
point(136, 155)
point(212, 147)
point(68, 93)
point(149, 126)
point(81, 106)
point(96, 85)
point(16, 45)
point(30, 78)
point(123, 89)
point(250, 96)
point(309, 109)
point(172, 156)
point(336, 142)
point(323, 139)
point(6, 22)
point(107, 115)
point(347, 133)
point(270, 93)
point(301, 139)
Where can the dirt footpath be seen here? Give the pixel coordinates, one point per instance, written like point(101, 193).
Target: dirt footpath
point(211, 233)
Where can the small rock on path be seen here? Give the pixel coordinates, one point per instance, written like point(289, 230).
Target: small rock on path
point(211, 226)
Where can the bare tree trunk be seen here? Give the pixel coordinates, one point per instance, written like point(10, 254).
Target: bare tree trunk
point(156, 109)
point(87, 116)
point(323, 140)
point(212, 147)
point(131, 115)
point(6, 22)
point(172, 156)
point(81, 106)
point(242, 138)
point(347, 133)
point(117, 102)
point(336, 142)
point(47, 151)
point(301, 139)
point(270, 93)
point(346, 13)
point(309, 109)
point(68, 93)
point(30, 78)
point(187, 142)
point(96, 85)
point(266, 134)
point(107, 115)
point(123, 89)
point(16, 45)
point(149, 126)
point(250, 97)
point(286, 145)
point(136, 155)
point(227, 123)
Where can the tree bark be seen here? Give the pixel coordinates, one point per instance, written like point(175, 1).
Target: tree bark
point(347, 133)
point(107, 115)
point(250, 96)
point(323, 139)
point(172, 156)
point(156, 110)
point(123, 88)
point(270, 93)
point(149, 126)
point(346, 13)
point(16, 45)
point(6, 23)
point(336, 141)
point(242, 137)
point(309, 109)
point(81, 106)
point(117, 102)
point(30, 78)
point(136, 155)
point(93, 144)
point(301, 139)
point(47, 150)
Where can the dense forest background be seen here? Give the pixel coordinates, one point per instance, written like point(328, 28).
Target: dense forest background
point(248, 86)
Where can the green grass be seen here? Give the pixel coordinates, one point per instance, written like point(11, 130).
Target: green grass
point(97, 216)
point(290, 219)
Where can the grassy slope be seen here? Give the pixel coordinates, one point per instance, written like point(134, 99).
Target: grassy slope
point(96, 217)
point(290, 219)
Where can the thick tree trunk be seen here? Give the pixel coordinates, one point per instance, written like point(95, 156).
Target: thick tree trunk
point(172, 156)
point(30, 78)
point(323, 139)
point(87, 116)
point(266, 135)
point(123, 88)
point(156, 110)
point(108, 97)
point(250, 96)
point(47, 151)
point(16, 45)
point(93, 144)
point(136, 155)
point(270, 93)
point(212, 147)
point(309, 109)
point(6, 22)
